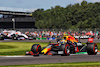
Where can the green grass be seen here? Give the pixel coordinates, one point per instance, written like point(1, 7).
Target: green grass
point(19, 48)
point(76, 64)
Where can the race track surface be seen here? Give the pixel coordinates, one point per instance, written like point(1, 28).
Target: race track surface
point(23, 60)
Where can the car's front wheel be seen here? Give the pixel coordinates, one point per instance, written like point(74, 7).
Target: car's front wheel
point(36, 49)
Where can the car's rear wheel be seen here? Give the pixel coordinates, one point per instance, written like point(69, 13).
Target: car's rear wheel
point(15, 37)
point(2, 37)
point(92, 49)
point(67, 49)
point(36, 49)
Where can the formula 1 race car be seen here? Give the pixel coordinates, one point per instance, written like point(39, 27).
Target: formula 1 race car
point(12, 34)
point(66, 46)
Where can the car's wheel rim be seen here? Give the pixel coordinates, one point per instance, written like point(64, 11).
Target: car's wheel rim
point(67, 49)
point(96, 49)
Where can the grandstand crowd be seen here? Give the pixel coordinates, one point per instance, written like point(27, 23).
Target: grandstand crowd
point(48, 34)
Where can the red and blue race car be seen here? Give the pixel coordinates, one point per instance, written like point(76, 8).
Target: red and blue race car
point(66, 46)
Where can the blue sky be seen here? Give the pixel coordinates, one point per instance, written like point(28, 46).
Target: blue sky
point(36, 4)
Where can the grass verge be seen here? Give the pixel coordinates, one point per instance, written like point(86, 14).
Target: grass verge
point(17, 48)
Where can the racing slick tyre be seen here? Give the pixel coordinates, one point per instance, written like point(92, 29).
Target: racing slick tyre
point(2, 37)
point(15, 37)
point(92, 49)
point(66, 49)
point(36, 49)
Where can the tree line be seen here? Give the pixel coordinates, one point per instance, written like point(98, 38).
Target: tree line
point(84, 15)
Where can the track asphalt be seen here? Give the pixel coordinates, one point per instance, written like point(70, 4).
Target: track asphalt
point(20, 60)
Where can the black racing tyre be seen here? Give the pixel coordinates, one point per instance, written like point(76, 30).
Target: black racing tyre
point(36, 48)
point(15, 37)
point(66, 49)
point(2, 37)
point(92, 49)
